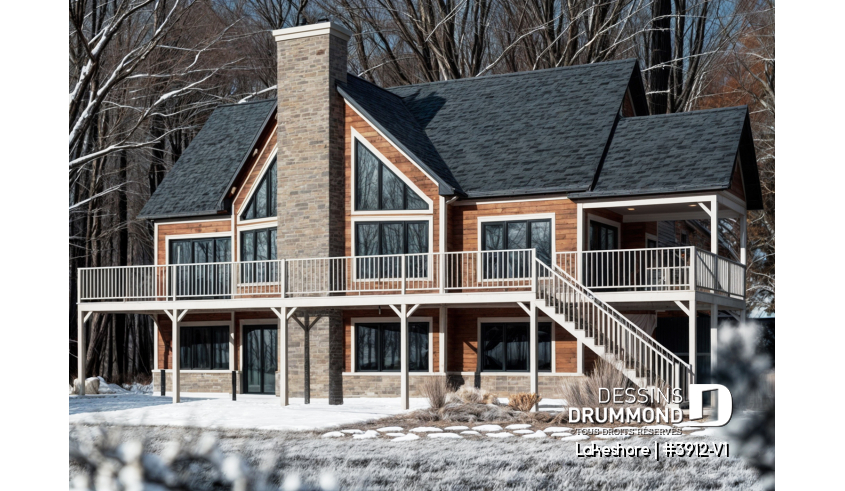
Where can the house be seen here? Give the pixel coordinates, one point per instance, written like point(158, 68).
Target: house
point(503, 231)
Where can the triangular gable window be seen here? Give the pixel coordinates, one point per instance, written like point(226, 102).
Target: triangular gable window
point(378, 188)
point(263, 201)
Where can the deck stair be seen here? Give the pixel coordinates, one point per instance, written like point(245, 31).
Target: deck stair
point(607, 332)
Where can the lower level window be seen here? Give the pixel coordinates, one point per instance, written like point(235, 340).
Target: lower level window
point(377, 347)
point(204, 348)
point(505, 346)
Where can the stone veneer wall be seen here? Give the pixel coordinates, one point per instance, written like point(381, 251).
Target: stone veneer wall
point(311, 189)
point(198, 381)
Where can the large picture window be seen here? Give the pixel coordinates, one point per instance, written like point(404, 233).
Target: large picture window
point(391, 238)
point(259, 246)
point(206, 279)
point(262, 204)
point(377, 347)
point(511, 235)
point(378, 188)
point(505, 347)
point(204, 348)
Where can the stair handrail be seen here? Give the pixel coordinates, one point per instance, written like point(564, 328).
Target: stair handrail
point(619, 317)
point(627, 327)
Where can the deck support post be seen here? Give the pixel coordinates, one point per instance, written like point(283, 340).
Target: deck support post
point(693, 348)
point(81, 350)
point(532, 354)
point(284, 391)
point(714, 339)
point(714, 226)
point(403, 355)
point(177, 346)
point(444, 330)
point(743, 238)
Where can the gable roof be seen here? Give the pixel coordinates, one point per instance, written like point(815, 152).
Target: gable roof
point(387, 112)
point(198, 183)
point(676, 153)
point(522, 133)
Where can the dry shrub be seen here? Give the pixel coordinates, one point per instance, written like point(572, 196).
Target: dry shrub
point(524, 401)
point(435, 389)
point(471, 413)
point(584, 391)
point(467, 394)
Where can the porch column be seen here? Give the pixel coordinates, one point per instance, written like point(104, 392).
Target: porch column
point(743, 238)
point(81, 351)
point(284, 398)
point(579, 246)
point(579, 357)
point(532, 354)
point(176, 347)
point(444, 330)
point(693, 348)
point(404, 354)
point(714, 226)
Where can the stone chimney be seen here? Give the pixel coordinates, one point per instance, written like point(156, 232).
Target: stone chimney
point(311, 61)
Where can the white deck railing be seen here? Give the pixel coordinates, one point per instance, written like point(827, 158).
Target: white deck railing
point(391, 274)
point(656, 269)
point(572, 302)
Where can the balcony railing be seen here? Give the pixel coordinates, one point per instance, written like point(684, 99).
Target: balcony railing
point(656, 269)
point(510, 270)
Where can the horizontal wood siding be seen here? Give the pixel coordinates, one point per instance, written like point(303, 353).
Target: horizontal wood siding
point(464, 222)
point(566, 351)
point(165, 230)
point(424, 183)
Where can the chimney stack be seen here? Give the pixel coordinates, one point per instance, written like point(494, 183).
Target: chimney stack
point(311, 61)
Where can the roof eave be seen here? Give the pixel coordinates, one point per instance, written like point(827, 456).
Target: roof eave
point(223, 214)
point(444, 188)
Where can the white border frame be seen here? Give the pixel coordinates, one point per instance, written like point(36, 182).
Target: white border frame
point(650, 236)
point(391, 320)
point(357, 137)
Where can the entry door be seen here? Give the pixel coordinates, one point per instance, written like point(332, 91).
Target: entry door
point(260, 356)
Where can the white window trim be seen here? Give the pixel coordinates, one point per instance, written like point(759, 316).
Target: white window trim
point(357, 137)
point(252, 189)
point(649, 236)
point(229, 323)
point(393, 218)
point(606, 221)
point(489, 320)
point(391, 320)
point(508, 218)
point(268, 223)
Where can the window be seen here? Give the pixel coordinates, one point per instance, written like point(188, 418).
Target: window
point(505, 347)
point(204, 348)
point(262, 204)
point(377, 347)
point(205, 280)
point(518, 234)
point(260, 246)
point(603, 237)
point(391, 238)
point(378, 188)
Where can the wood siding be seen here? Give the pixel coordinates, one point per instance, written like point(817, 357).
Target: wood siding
point(423, 183)
point(165, 230)
point(464, 221)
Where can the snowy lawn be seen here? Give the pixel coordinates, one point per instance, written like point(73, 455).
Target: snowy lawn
point(219, 411)
point(423, 463)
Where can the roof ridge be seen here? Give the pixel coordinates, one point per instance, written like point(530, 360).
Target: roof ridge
point(512, 74)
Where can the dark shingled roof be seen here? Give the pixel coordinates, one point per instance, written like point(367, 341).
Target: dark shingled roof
point(676, 153)
point(392, 117)
point(200, 179)
point(522, 133)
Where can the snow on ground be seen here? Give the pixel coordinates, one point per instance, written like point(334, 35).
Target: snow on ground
point(219, 411)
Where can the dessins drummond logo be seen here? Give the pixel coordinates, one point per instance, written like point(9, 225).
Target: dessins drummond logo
point(655, 406)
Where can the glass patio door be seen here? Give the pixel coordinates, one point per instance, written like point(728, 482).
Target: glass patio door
point(260, 357)
point(600, 269)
